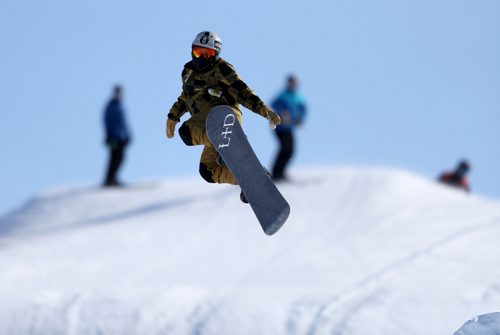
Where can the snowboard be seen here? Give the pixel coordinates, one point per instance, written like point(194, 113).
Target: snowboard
point(228, 138)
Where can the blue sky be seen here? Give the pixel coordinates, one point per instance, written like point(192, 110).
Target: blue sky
point(406, 84)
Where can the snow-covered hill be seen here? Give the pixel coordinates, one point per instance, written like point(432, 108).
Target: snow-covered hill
point(487, 324)
point(365, 251)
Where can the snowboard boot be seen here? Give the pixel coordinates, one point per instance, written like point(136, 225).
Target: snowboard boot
point(243, 198)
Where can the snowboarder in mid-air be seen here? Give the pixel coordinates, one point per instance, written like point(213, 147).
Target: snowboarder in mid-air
point(209, 81)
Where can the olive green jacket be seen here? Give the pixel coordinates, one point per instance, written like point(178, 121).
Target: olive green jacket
point(219, 85)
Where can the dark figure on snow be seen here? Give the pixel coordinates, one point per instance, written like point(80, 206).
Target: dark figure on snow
point(458, 177)
point(291, 108)
point(117, 136)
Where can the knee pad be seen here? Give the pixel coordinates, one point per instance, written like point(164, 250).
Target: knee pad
point(185, 134)
point(205, 173)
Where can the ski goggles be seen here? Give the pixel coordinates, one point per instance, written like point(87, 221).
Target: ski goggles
point(205, 52)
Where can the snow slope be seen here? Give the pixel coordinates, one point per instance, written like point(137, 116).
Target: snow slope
point(487, 324)
point(365, 251)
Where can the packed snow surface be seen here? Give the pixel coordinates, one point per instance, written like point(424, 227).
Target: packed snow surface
point(365, 251)
point(487, 324)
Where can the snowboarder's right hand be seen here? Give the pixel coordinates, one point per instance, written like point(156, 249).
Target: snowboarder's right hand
point(171, 123)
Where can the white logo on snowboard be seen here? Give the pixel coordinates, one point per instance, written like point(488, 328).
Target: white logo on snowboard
point(228, 124)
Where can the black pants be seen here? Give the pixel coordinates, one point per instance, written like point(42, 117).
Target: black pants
point(284, 155)
point(116, 155)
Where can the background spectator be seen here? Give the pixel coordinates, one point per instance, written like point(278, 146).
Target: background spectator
point(117, 135)
point(457, 178)
point(291, 107)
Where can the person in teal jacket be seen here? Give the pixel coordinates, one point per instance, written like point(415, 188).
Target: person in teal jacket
point(291, 107)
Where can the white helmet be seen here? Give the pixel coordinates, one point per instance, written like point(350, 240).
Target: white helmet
point(208, 39)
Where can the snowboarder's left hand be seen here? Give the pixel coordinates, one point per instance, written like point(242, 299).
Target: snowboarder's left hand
point(273, 118)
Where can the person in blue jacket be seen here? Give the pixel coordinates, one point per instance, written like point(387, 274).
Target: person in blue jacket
point(117, 135)
point(291, 107)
